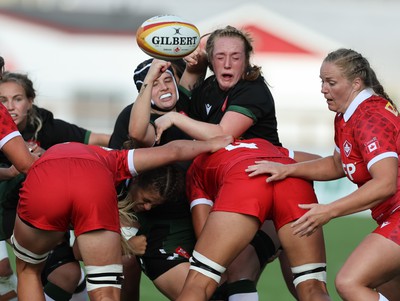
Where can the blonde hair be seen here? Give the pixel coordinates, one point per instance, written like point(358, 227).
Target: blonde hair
point(168, 181)
point(126, 217)
point(353, 65)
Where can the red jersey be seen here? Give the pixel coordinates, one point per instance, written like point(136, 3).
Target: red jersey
point(119, 162)
point(366, 133)
point(220, 180)
point(8, 128)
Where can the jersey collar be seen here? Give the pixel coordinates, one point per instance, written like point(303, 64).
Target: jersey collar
point(363, 95)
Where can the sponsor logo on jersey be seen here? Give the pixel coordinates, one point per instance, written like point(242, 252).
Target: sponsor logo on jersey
point(231, 147)
point(208, 108)
point(347, 148)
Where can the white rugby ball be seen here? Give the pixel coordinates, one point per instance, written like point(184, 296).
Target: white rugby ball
point(167, 37)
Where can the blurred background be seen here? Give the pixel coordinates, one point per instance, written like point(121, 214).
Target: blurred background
point(81, 55)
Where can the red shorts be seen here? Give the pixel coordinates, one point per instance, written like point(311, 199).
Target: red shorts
point(277, 201)
point(390, 227)
point(58, 194)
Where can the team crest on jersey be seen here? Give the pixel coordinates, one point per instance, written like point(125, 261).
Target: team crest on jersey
point(372, 145)
point(391, 109)
point(347, 148)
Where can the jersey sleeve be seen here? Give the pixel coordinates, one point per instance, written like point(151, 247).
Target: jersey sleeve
point(8, 128)
point(377, 137)
point(120, 133)
point(252, 99)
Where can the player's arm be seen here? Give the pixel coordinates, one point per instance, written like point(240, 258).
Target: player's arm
point(323, 169)
point(18, 153)
point(196, 66)
point(174, 151)
point(99, 139)
point(7, 173)
point(140, 128)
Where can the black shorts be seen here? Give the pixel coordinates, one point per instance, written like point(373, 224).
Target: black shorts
point(169, 243)
point(9, 196)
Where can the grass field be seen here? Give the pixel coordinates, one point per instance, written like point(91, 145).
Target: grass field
point(341, 236)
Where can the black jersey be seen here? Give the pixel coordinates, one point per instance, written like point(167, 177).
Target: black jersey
point(209, 103)
point(121, 133)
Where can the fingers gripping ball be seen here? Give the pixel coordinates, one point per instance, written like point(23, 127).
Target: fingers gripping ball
point(167, 37)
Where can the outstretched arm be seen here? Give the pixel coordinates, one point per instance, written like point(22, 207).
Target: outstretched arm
point(99, 139)
point(382, 186)
point(232, 123)
point(323, 169)
point(178, 150)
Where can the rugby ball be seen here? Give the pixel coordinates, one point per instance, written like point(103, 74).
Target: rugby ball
point(167, 37)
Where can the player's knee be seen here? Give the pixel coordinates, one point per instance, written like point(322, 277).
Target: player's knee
point(316, 271)
point(104, 276)
point(206, 266)
point(25, 254)
point(344, 284)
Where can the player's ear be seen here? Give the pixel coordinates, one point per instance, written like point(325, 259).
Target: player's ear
point(357, 84)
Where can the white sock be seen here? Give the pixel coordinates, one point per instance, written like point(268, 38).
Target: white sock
point(244, 297)
point(382, 298)
point(8, 285)
point(3, 250)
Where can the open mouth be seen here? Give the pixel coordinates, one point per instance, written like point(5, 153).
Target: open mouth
point(165, 96)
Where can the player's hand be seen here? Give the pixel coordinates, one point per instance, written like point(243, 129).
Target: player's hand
point(162, 123)
point(35, 149)
point(219, 142)
point(316, 216)
point(157, 68)
point(277, 171)
point(197, 61)
point(138, 244)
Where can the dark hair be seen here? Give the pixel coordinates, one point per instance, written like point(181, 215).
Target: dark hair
point(252, 71)
point(354, 65)
point(177, 67)
point(168, 181)
point(30, 92)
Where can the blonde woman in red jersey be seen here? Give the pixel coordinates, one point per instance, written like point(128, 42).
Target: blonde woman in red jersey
point(367, 138)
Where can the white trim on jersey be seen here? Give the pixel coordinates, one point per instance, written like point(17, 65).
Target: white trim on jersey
point(380, 157)
point(131, 165)
point(201, 201)
point(8, 138)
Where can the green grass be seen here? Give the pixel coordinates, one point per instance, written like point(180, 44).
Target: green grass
point(341, 237)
